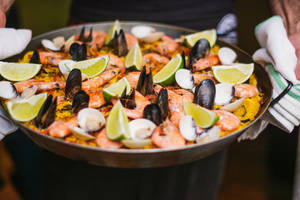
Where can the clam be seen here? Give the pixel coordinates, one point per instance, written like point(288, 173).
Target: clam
point(136, 144)
point(8, 90)
point(145, 82)
point(69, 42)
point(200, 50)
point(29, 92)
point(54, 45)
point(62, 65)
point(35, 58)
point(153, 113)
point(141, 129)
point(184, 78)
point(146, 34)
point(224, 93)
point(80, 101)
point(47, 113)
point(90, 119)
point(120, 44)
point(163, 103)
point(80, 133)
point(188, 128)
point(227, 56)
point(234, 105)
point(205, 94)
point(78, 52)
point(209, 135)
point(73, 83)
point(128, 101)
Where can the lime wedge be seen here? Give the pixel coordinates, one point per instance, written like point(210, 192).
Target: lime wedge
point(234, 74)
point(115, 28)
point(134, 57)
point(26, 109)
point(203, 118)
point(166, 75)
point(91, 67)
point(19, 71)
point(116, 89)
point(210, 35)
point(117, 127)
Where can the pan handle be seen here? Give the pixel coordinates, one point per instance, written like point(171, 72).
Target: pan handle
point(7, 126)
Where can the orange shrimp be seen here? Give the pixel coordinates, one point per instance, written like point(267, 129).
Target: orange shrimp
point(115, 61)
point(60, 128)
point(104, 142)
point(96, 98)
point(245, 90)
point(227, 121)
point(167, 135)
point(101, 79)
point(198, 78)
point(204, 63)
point(50, 57)
point(98, 40)
point(167, 47)
point(41, 85)
point(155, 61)
point(133, 78)
point(130, 40)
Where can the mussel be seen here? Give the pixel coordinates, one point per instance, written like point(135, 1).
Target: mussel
point(82, 35)
point(73, 83)
point(145, 82)
point(205, 94)
point(80, 101)
point(153, 113)
point(7, 90)
point(120, 44)
point(163, 103)
point(128, 101)
point(200, 50)
point(47, 113)
point(35, 58)
point(78, 52)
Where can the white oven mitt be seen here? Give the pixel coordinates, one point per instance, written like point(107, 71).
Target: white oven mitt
point(279, 58)
point(13, 41)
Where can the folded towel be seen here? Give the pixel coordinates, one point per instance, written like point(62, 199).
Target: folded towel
point(13, 41)
point(279, 58)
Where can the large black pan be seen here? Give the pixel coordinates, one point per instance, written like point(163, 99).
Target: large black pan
point(125, 158)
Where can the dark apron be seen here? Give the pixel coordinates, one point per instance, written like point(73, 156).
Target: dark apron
point(74, 180)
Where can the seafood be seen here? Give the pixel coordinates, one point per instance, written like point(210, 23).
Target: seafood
point(103, 141)
point(227, 121)
point(60, 128)
point(51, 58)
point(245, 90)
point(168, 46)
point(7, 90)
point(200, 50)
point(41, 85)
point(205, 94)
point(204, 63)
point(154, 61)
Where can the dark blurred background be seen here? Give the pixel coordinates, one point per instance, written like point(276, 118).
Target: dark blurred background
point(261, 169)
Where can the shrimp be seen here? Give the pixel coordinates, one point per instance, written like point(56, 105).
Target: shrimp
point(155, 61)
point(245, 90)
point(204, 63)
point(96, 98)
point(101, 79)
point(227, 121)
point(114, 61)
point(104, 142)
point(133, 78)
point(186, 95)
point(198, 78)
point(167, 47)
point(98, 40)
point(167, 135)
point(50, 57)
point(41, 85)
point(60, 128)
point(130, 40)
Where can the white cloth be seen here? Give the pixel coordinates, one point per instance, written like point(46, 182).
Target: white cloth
point(279, 58)
point(13, 41)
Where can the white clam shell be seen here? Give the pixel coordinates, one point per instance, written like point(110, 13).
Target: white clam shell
point(234, 105)
point(188, 128)
point(184, 78)
point(209, 135)
point(227, 56)
point(152, 38)
point(80, 133)
point(59, 41)
point(62, 65)
point(141, 128)
point(224, 93)
point(48, 44)
point(136, 144)
point(69, 42)
point(90, 119)
point(142, 31)
point(29, 92)
point(7, 90)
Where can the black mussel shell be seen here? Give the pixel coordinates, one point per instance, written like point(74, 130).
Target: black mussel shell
point(153, 113)
point(163, 103)
point(46, 115)
point(145, 82)
point(35, 58)
point(120, 44)
point(81, 35)
point(80, 101)
point(90, 37)
point(205, 94)
point(78, 52)
point(183, 59)
point(200, 50)
point(73, 84)
point(128, 101)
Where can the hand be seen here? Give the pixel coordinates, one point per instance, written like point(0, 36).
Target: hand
point(295, 39)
